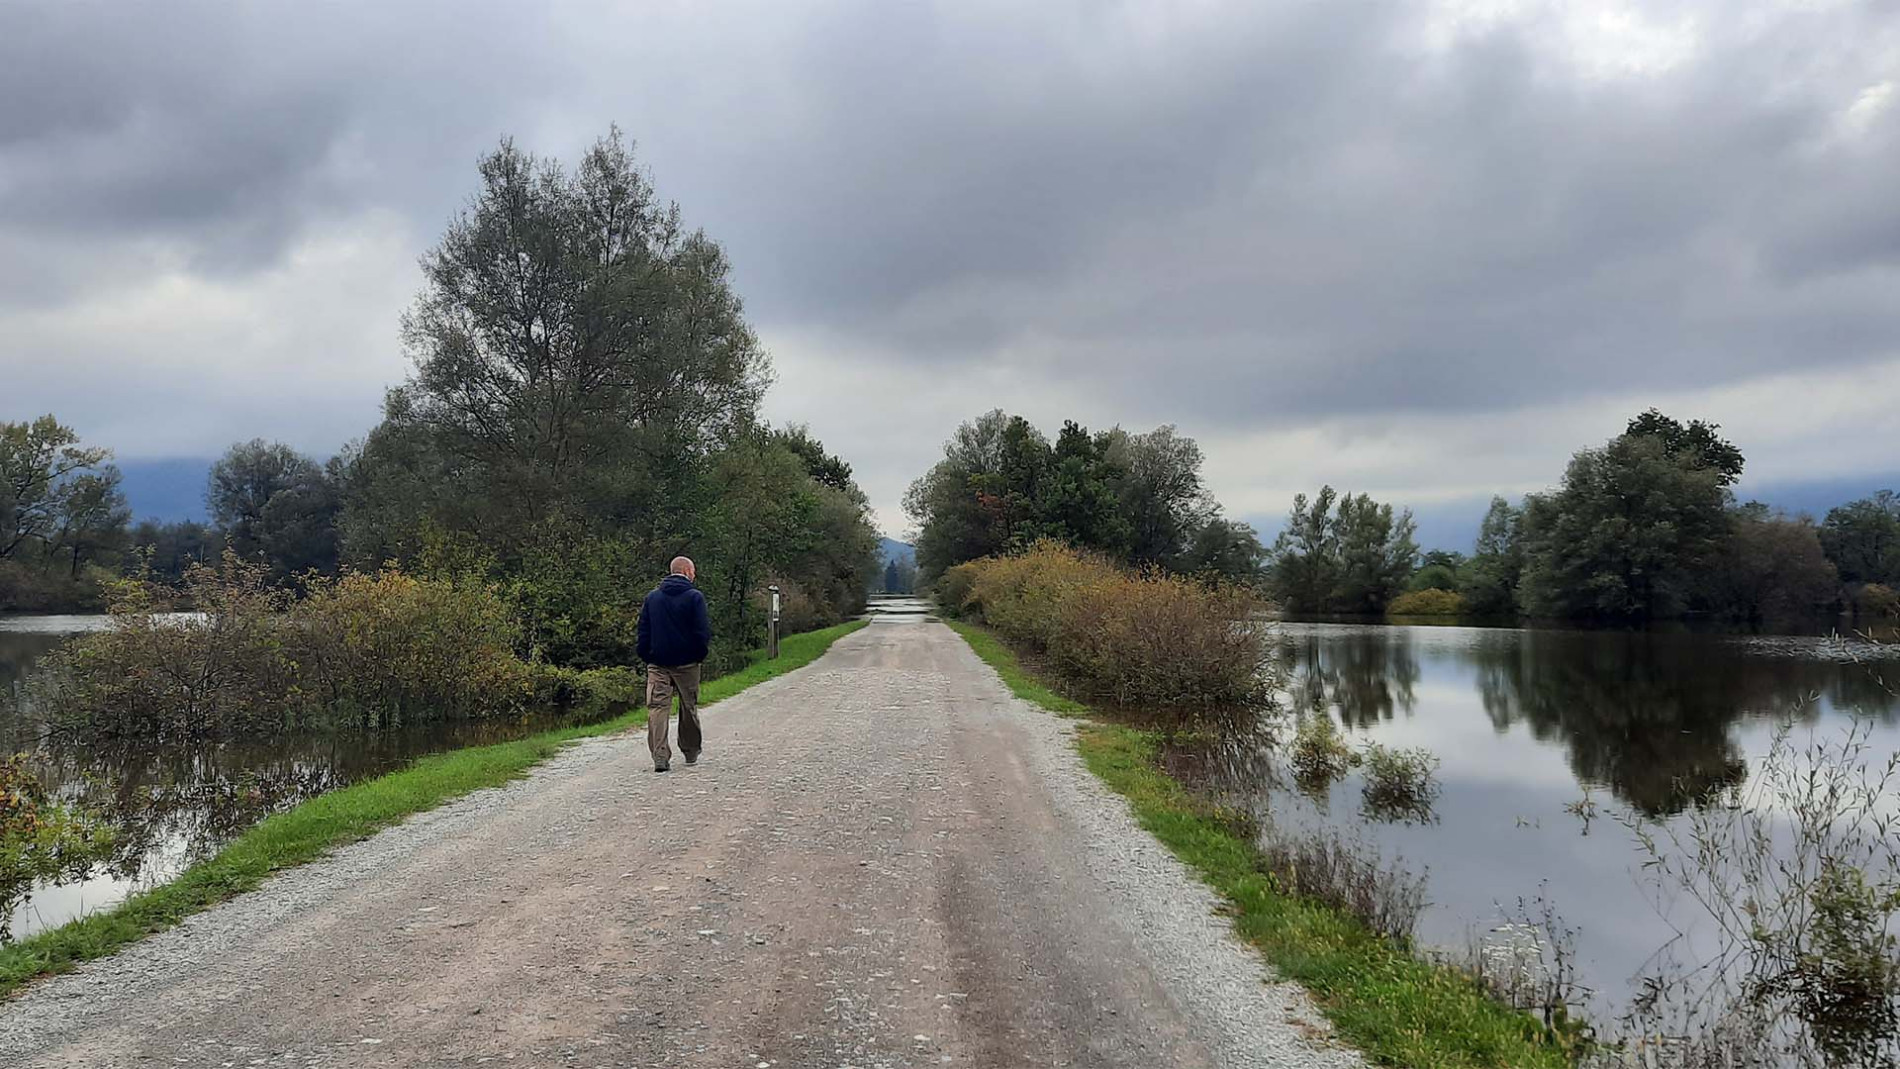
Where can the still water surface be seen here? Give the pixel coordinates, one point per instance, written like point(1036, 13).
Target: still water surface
point(176, 805)
point(1525, 722)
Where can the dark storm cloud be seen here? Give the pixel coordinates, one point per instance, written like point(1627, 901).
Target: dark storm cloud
point(1309, 213)
point(226, 130)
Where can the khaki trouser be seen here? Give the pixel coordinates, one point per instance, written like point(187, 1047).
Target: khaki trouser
point(662, 684)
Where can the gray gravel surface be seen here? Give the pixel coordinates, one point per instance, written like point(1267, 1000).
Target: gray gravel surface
point(883, 860)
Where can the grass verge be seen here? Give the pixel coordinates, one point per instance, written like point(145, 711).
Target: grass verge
point(321, 824)
point(1021, 682)
point(1380, 997)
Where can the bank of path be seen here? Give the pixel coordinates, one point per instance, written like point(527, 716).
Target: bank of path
point(883, 860)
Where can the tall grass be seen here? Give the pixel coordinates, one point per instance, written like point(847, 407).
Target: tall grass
point(1133, 638)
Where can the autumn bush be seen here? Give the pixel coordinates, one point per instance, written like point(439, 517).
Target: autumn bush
point(952, 589)
point(1875, 599)
point(371, 649)
point(1427, 603)
point(390, 648)
point(223, 671)
point(41, 839)
point(1144, 638)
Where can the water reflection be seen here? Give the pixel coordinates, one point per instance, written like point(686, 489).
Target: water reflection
point(1364, 674)
point(175, 805)
point(18, 649)
point(1647, 716)
point(1527, 724)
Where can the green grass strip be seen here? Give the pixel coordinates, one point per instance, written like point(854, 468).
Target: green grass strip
point(316, 827)
point(1023, 684)
point(1380, 997)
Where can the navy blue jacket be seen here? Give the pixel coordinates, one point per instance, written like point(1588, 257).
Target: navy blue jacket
point(675, 629)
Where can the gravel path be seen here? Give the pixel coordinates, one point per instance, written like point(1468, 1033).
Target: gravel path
point(883, 860)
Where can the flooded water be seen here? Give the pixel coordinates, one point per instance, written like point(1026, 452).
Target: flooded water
point(177, 805)
point(1526, 723)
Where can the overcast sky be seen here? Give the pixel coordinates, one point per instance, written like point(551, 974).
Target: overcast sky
point(1424, 250)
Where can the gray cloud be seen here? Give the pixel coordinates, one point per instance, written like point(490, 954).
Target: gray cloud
point(1225, 217)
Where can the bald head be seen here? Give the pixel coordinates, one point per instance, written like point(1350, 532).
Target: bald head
point(683, 566)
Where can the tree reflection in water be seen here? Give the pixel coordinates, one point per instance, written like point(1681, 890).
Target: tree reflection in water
point(175, 805)
point(1648, 716)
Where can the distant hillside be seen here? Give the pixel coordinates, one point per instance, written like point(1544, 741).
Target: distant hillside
point(172, 489)
point(890, 549)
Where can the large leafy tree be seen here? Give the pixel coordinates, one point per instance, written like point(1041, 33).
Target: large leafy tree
point(1695, 442)
point(1343, 554)
point(42, 466)
point(1306, 554)
point(276, 506)
point(1774, 567)
point(1139, 498)
point(1862, 538)
point(583, 407)
point(1438, 569)
point(1633, 532)
point(954, 503)
point(1163, 495)
point(1226, 549)
point(93, 517)
point(1077, 500)
point(575, 343)
point(1489, 579)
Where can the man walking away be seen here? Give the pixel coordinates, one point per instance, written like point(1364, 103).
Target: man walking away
point(675, 635)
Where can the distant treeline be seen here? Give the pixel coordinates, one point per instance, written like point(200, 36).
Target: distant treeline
point(1646, 526)
point(584, 406)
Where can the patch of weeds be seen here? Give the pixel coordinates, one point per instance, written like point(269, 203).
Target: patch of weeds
point(1584, 809)
point(1798, 873)
point(1348, 875)
point(1400, 784)
point(1529, 960)
point(1319, 754)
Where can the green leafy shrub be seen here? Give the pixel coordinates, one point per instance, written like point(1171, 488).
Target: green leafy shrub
point(1399, 783)
point(154, 678)
point(365, 649)
point(41, 841)
point(1430, 602)
point(953, 588)
point(798, 610)
point(390, 648)
point(1319, 754)
point(591, 692)
point(1178, 645)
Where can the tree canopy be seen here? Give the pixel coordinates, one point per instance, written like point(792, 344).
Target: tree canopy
point(1002, 486)
point(1346, 554)
point(583, 406)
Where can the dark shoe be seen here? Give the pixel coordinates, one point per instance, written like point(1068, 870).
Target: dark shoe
point(661, 767)
point(693, 758)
